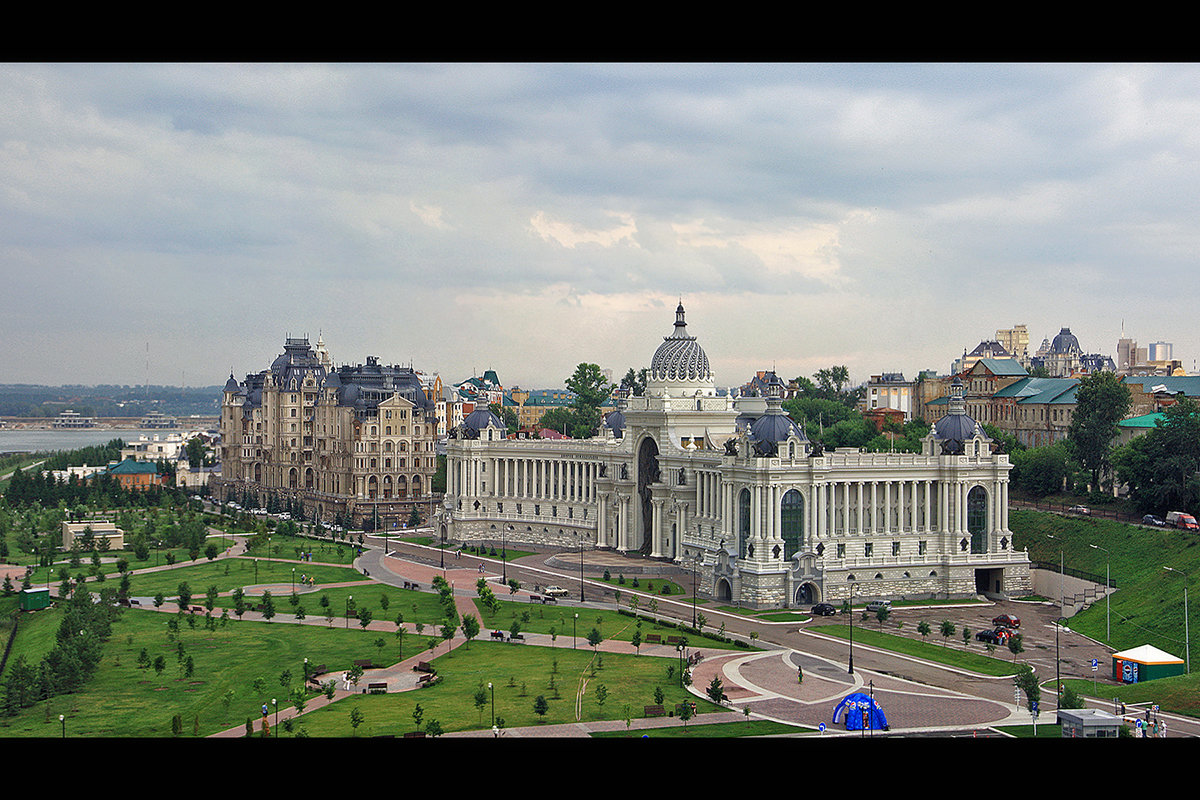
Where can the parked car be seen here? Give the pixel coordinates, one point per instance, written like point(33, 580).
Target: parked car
point(875, 605)
point(990, 636)
point(1079, 510)
point(1178, 519)
point(1150, 519)
point(1006, 621)
point(824, 609)
point(555, 591)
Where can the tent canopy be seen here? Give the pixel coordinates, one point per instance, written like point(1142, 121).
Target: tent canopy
point(851, 709)
point(1148, 654)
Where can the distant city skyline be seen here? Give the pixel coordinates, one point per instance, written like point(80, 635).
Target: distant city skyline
point(171, 223)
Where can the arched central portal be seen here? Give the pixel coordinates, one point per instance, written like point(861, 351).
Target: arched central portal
point(647, 465)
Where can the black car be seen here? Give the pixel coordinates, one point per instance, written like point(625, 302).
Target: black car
point(1150, 519)
point(989, 636)
point(824, 610)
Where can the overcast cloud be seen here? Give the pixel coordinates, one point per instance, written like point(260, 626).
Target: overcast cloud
point(524, 218)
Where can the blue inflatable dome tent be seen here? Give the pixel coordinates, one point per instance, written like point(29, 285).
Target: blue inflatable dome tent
point(851, 709)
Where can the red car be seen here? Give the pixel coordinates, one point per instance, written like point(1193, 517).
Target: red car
point(1006, 621)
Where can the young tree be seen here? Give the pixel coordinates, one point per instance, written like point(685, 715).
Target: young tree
point(185, 595)
point(470, 628)
point(947, 630)
point(716, 691)
point(356, 718)
point(923, 629)
point(1016, 645)
point(966, 636)
point(601, 694)
point(481, 700)
point(1027, 682)
point(268, 606)
point(541, 707)
point(364, 617)
point(636, 641)
point(417, 714)
point(686, 711)
point(882, 613)
point(594, 638)
point(239, 602)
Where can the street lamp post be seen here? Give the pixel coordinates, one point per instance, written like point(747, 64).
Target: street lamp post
point(695, 558)
point(504, 552)
point(850, 611)
point(1187, 642)
point(275, 702)
point(574, 621)
point(1107, 592)
point(256, 570)
point(493, 691)
point(581, 567)
point(349, 600)
point(679, 649)
point(293, 580)
point(62, 719)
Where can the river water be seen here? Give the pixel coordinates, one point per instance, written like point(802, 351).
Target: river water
point(28, 441)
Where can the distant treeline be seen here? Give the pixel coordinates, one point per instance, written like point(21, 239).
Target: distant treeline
point(31, 400)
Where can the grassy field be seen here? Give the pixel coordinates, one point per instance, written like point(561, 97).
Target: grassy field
point(1178, 695)
point(950, 655)
point(124, 700)
point(1147, 607)
point(229, 573)
point(538, 618)
point(519, 674)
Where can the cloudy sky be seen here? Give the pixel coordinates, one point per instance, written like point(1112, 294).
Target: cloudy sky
point(177, 222)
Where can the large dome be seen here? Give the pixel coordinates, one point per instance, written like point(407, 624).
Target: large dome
point(1065, 342)
point(680, 358)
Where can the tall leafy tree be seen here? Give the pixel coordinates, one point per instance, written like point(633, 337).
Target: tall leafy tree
point(1101, 401)
point(1161, 466)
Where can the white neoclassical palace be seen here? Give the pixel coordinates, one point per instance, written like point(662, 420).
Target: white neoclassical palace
point(735, 489)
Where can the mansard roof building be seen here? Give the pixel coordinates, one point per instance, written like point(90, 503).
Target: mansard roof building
point(734, 487)
point(357, 442)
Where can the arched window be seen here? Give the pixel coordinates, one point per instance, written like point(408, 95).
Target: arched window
point(977, 501)
point(791, 514)
point(743, 523)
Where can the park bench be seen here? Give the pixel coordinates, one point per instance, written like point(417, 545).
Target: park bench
point(364, 663)
point(653, 638)
point(376, 688)
point(674, 640)
point(415, 735)
point(549, 599)
point(197, 610)
point(516, 637)
point(134, 602)
point(426, 678)
point(498, 635)
point(533, 598)
point(655, 711)
point(424, 666)
point(317, 671)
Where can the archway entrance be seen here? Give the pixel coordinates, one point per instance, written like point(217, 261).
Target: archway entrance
point(723, 590)
point(806, 594)
point(977, 521)
point(647, 474)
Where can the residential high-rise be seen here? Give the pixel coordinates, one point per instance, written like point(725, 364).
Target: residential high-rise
point(356, 443)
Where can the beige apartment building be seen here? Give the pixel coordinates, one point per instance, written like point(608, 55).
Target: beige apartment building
point(356, 442)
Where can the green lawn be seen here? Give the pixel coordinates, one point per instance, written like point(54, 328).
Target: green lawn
point(1177, 695)
point(952, 655)
point(123, 700)
point(289, 547)
point(519, 674)
point(538, 618)
point(421, 607)
point(1147, 607)
point(229, 573)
